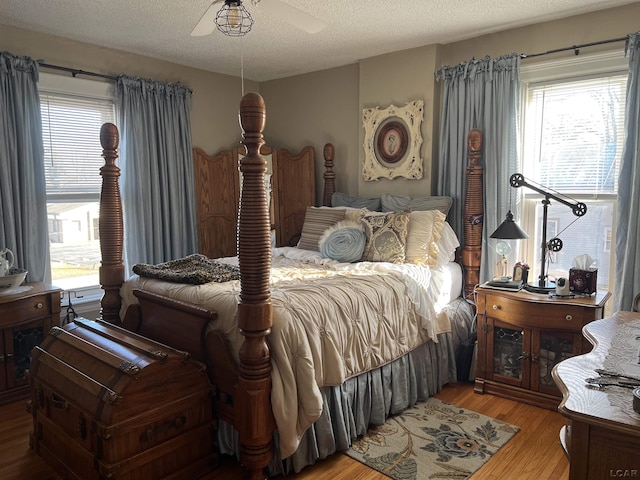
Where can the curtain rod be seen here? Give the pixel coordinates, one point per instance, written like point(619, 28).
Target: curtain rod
point(75, 72)
point(575, 48)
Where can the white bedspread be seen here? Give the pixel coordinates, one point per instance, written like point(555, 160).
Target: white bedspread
point(331, 321)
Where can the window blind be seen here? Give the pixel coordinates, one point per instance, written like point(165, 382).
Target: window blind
point(72, 151)
point(574, 134)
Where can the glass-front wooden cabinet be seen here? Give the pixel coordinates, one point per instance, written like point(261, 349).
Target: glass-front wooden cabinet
point(18, 341)
point(26, 317)
point(550, 347)
point(522, 336)
point(508, 347)
point(525, 357)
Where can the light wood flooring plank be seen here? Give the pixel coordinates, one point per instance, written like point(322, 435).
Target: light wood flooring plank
point(534, 453)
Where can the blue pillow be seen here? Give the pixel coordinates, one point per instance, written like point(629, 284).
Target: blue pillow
point(344, 242)
point(397, 203)
point(343, 200)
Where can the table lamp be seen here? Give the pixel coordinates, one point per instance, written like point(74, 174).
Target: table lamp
point(579, 209)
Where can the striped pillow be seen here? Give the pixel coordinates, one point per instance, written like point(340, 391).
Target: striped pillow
point(316, 221)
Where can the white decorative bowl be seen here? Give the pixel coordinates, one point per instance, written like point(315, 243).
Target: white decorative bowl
point(13, 280)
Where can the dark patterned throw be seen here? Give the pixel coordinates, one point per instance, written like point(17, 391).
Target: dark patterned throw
point(195, 269)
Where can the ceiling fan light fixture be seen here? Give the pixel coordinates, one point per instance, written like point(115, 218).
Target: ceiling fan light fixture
point(233, 19)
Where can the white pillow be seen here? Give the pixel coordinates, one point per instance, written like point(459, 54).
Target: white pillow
point(425, 229)
point(446, 246)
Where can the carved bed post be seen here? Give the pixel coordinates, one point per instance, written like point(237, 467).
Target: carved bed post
point(473, 214)
point(253, 415)
point(111, 227)
point(329, 174)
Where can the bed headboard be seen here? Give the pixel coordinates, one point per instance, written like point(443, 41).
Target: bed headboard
point(217, 189)
point(290, 183)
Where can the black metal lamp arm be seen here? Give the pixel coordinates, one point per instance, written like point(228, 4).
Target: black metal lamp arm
point(578, 208)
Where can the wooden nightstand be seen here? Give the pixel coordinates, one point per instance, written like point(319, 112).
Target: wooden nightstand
point(25, 319)
point(522, 336)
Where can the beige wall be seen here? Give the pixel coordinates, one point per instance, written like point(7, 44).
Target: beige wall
point(314, 109)
point(542, 37)
point(326, 106)
point(409, 75)
point(397, 79)
point(214, 116)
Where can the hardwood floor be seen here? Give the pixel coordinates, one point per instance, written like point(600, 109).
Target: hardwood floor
point(534, 453)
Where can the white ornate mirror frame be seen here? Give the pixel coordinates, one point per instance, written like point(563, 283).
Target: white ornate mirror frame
point(392, 141)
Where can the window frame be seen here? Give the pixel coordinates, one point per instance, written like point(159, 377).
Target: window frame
point(565, 69)
point(91, 89)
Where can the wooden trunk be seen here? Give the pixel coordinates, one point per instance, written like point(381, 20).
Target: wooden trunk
point(110, 404)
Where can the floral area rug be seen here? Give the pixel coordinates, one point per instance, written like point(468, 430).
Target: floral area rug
point(432, 440)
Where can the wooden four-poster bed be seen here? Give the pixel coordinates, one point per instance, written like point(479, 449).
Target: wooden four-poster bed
point(244, 364)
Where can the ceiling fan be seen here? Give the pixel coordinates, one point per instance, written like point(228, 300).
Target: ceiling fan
point(292, 15)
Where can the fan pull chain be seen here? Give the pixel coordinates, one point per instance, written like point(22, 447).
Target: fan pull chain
point(242, 70)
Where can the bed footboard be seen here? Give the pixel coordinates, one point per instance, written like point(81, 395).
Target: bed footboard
point(174, 323)
point(186, 327)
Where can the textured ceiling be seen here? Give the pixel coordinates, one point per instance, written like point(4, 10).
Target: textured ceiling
point(356, 29)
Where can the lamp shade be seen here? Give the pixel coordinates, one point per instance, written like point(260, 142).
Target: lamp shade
point(509, 230)
point(233, 19)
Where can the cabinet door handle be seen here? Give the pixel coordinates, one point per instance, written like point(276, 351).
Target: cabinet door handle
point(496, 307)
point(39, 305)
point(568, 317)
point(486, 328)
point(534, 358)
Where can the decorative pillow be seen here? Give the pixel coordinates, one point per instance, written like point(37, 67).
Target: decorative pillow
point(316, 221)
point(396, 203)
point(344, 200)
point(446, 246)
point(344, 242)
point(354, 214)
point(386, 236)
point(425, 228)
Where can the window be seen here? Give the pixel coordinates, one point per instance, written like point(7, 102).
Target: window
point(573, 113)
point(607, 239)
point(73, 110)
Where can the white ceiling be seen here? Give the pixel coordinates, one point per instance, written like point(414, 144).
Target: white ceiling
point(356, 29)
